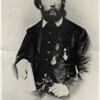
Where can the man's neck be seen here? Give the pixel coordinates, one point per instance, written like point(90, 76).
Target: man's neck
point(58, 23)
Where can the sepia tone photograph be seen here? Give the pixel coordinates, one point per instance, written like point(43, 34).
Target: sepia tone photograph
point(50, 50)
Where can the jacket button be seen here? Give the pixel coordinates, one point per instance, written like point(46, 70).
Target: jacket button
point(49, 32)
point(46, 59)
point(67, 75)
point(48, 42)
point(48, 52)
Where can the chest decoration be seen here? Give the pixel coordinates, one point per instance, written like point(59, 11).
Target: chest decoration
point(53, 61)
point(54, 58)
point(65, 57)
point(57, 54)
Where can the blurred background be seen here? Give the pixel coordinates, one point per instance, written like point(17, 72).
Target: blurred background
point(17, 16)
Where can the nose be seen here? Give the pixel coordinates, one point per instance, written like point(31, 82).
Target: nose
point(52, 3)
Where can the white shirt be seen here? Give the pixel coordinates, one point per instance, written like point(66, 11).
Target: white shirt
point(58, 23)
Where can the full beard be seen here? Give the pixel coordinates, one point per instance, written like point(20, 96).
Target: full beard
point(53, 15)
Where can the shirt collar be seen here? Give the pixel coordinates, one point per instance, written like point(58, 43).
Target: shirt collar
point(58, 23)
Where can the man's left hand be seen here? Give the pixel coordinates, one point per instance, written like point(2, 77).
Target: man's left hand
point(59, 90)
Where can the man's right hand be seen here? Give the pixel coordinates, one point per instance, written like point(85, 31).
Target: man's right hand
point(21, 69)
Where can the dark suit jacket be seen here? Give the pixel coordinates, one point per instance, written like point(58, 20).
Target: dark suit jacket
point(76, 41)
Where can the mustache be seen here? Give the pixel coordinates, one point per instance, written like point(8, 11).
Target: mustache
point(53, 9)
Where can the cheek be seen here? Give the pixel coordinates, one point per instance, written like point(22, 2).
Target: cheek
point(45, 6)
point(58, 5)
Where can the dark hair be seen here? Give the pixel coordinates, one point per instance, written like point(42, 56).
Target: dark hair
point(37, 2)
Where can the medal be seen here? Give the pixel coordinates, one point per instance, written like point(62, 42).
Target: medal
point(53, 61)
point(65, 57)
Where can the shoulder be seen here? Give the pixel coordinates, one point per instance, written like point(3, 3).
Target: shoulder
point(71, 26)
point(74, 29)
point(35, 27)
point(31, 31)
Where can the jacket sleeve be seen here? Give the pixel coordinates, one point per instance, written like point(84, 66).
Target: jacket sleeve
point(25, 48)
point(82, 60)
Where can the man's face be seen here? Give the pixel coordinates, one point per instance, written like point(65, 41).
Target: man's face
point(51, 9)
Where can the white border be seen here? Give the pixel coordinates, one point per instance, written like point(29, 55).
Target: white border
point(99, 43)
point(0, 54)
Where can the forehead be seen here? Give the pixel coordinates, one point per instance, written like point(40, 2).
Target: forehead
point(50, 0)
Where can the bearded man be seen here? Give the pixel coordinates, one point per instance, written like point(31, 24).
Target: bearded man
point(57, 50)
